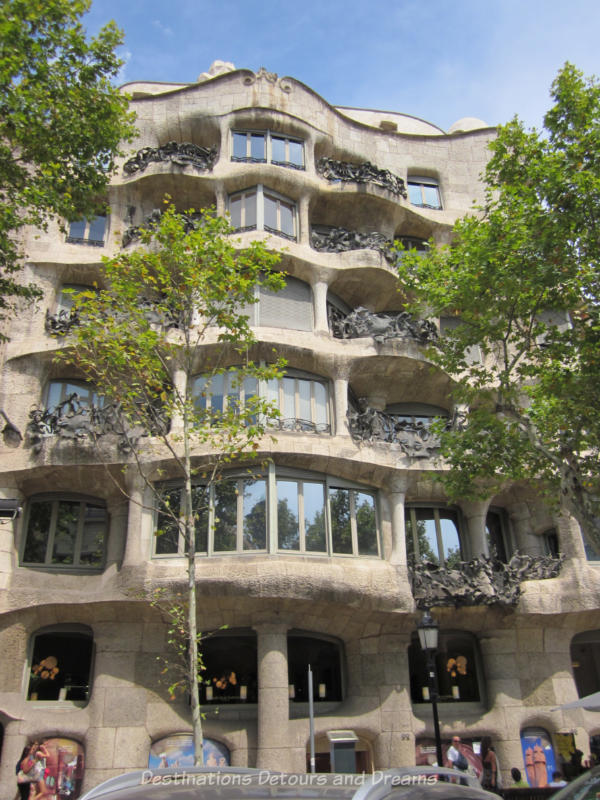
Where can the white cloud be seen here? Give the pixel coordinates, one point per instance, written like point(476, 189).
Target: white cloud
point(164, 29)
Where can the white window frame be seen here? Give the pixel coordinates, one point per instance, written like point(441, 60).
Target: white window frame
point(55, 500)
point(268, 137)
point(259, 191)
point(422, 182)
point(271, 475)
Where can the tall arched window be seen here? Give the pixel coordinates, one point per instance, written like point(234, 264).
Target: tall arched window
point(61, 664)
point(585, 660)
point(230, 672)
point(458, 669)
point(324, 656)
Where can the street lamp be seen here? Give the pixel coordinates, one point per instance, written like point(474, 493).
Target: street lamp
point(428, 631)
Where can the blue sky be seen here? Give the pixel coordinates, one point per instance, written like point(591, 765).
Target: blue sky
point(436, 59)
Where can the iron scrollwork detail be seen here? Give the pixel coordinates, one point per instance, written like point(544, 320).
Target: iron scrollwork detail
point(182, 154)
point(344, 171)
point(383, 326)
point(331, 239)
point(61, 323)
point(481, 581)
point(414, 437)
point(73, 420)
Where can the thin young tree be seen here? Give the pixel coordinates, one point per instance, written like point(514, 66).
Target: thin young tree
point(172, 315)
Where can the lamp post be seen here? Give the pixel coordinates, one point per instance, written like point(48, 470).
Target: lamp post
point(428, 630)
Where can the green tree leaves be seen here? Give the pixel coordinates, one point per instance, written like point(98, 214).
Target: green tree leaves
point(522, 279)
point(61, 122)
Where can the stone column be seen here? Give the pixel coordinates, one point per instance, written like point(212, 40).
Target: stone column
point(397, 495)
point(570, 539)
point(8, 540)
point(273, 700)
point(179, 380)
point(475, 513)
point(133, 544)
point(319, 289)
point(304, 220)
point(340, 389)
point(526, 541)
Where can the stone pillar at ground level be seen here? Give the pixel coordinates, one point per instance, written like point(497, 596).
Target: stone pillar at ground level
point(273, 699)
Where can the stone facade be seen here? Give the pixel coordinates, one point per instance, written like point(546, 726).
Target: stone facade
point(250, 144)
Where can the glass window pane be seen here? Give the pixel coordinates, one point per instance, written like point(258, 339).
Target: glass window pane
point(255, 520)
point(414, 194)
point(92, 538)
point(97, 228)
point(278, 149)
point(289, 399)
point(200, 506)
point(450, 537)
point(341, 531)
point(38, 529)
point(235, 211)
point(257, 146)
point(366, 524)
point(426, 538)
point(271, 212)
point(286, 212)
point(225, 522)
point(288, 528)
point(239, 145)
point(304, 407)
point(199, 393)
point(77, 229)
point(167, 529)
point(296, 153)
point(314, 517)
point(320, 393)
point(215, 389)
point(432, 196)
point(55, 394)
point(273, 392)
point(250, 210)
point(65, 536)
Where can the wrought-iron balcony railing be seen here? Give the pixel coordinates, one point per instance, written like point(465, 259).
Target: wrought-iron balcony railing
point(60, 324)
point(381, 326)
point(182, 154)
point(344, 171)
point(414, 436)
point(332, 239)
point(481, 581)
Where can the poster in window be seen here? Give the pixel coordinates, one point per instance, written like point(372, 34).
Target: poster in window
point(178, 751)
point(63, 769)
point(538, 756)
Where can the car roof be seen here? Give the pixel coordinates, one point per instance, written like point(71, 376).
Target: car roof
point(236, 783)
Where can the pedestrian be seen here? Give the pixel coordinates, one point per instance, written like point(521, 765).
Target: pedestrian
point(557, 779)
point(519, 781)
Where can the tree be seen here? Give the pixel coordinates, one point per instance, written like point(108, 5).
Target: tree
point(61, 122)
point(521, 284)
point(170, 310)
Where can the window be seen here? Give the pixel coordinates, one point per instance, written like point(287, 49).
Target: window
point(416, 414)
point(61, 664)
point(65, 532)
point(457, 666)
point(88, 231)
point(291, 308)
point(424, 192)
point(432, 535)
point(59, 392)
point(324, 657)
point(273, 512)
point(230, 668)
point(301, 399)
point(261, 209)
point(550, 542)
point(261, 147)
point(413, 243)
point(585, 662)
point(496, 528)
point(177, 750)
